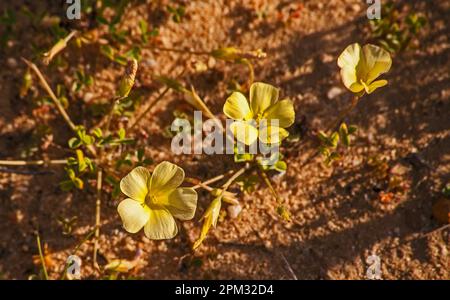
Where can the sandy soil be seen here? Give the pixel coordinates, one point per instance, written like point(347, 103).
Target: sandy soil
point(338, 219)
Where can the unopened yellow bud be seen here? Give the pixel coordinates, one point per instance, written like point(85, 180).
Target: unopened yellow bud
point(127, 82)
point(227, 53)
point(209, 218)
point(233, 54)
point(227, 196)
point(120, 265)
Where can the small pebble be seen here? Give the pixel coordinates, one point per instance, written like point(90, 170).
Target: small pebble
point(334, 92)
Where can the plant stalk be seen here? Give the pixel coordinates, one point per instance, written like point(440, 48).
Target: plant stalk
point(41, 256)
point(98, 203)
point(33, 162)
point(50, 92)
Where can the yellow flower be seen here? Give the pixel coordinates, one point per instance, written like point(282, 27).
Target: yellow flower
point(155, 199)
point(361, 66)
point(256, 120)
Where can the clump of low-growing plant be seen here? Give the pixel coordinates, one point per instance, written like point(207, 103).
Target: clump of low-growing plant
point(397, 30)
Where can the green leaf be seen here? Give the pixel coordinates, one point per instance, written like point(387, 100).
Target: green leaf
point(140, 154)
point(120, 59)
point(344, 135)
point(89, 163)
point(177, 13)
point(154, 32)
point(280, 166)
point(97, 132)
point(147, 161)
point(66, 185)
point(331, 158)
point(74, 143)
point(446, 190)
point(70, 173)
point(108, 51)
point(71, 161)
point(322, 136)
point(243, 157)
point(334, 140)
point(324, 151)
point(121, 133)
point(81, 161)
point(78, 183)
point(134, 52)
point(143, 27)
point(85, 138)
point(352, 129)
point(102, 20)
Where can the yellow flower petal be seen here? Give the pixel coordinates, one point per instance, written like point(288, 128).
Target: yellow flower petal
point(134, 185)
point(244, 132)
point(236, 107)
point(348, 62)
point(165, 178)
point(134, 216)
point(262, 95)
point(378, 61)
point(182, 203)
point(272, 134)
point(350, 57)
point(350, 79)
point(161, 225)
point(356, 87)
point(376, 84)
point(283, 111)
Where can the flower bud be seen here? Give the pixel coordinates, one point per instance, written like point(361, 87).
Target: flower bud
point(127, 82)
point(209, 218)
point(232, 54)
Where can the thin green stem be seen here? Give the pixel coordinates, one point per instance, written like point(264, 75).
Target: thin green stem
point(75, 250)
point(52, 95)
point(110, 115)
point(55, 100)
point(98, 203)
point(251, 70)
point(207, 182)
point(344, 114)
point(233, 178)
point(182, 51)
point(58, 47)
point(269, 184)
point(41, 256)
